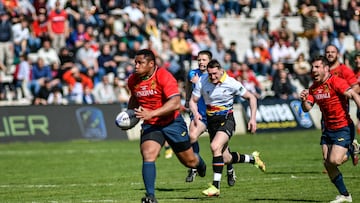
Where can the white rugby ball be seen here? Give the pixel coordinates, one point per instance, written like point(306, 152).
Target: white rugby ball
point(126, 119)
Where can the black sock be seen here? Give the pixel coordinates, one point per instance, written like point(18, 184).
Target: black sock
point(218, 165)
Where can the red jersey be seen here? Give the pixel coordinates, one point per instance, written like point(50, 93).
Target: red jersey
point(357, 76)
point(333, 104)
point(342, 71)
point(153, 92)
point(57, 21)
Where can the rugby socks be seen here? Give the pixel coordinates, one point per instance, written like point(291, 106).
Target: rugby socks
point(201, 162)
point(218, 165)
point(229, 167)
point(242, 158)
point(149, 175)
point(340, 185)
point(196, 147)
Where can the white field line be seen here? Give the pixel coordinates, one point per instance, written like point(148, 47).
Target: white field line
point(140, 183)
point(68, 151)
point(53, 185)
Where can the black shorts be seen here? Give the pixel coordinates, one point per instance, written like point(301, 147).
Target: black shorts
point(175, 133)
point(225, 123)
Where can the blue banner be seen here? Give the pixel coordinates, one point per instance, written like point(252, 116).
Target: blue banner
point(279, 115)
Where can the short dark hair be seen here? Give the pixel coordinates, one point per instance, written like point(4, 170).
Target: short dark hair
point(214, 64)
point(205, 52)
point(147, 54)
point(321, 58)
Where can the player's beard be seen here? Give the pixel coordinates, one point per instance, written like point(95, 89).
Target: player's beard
point(332, 62)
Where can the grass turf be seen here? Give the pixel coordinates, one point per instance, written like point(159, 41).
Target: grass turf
point(110, 171)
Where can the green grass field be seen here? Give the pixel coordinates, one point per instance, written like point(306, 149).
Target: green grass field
point(110, 171)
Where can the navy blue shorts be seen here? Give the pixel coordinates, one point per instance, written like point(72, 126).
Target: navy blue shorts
point(342, 137)
point(175, 133)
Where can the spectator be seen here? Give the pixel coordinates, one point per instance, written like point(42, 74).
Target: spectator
point(73, 10)
point(6, 36)
point(180, 46)
point(104, 91)
point(22, 76)
point(76, 81)
point(252, 58)
point(88, 17)
point(39, 29)
point(136, 16)
point(122, 55)
point(169, 30)
point(282, 86)
point(227, 61)
point(88, 96)
point(302, 70)
point(153, 32)
point(58, 26)
point(326, 22)
point(286, 9)
point(41, 98)
point(51, 4)
point(21, 34)
point(106, 61)
point(263, 23)
point(186, 29)
point(232, 51)
point(77, 37)
point(134, 35)
point(310, 22)
point(340, 43)
point(319, 43)
point(55, 97)
point(87, 58)
point(265, 57)
point(351, 55)
point(40, 6)
point(283, 31)
point(107, 37)
point(338, 14)
point(218, 50)
point(201, 36)
point(251, 84)
point(121, 91)
point(49, 54)
point(168, 59)
point(352, 8)
point(354, 26)
point(281, 53)
point(26, 8)
point(67, 61)
point(39, 74)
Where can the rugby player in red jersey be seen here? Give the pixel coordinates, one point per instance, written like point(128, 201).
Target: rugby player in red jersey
point(345, 72)
point(155, 97)
point(332, 95)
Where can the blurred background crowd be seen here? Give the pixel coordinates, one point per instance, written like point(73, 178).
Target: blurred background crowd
point(81, 51)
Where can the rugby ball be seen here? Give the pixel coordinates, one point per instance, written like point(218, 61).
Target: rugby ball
point(126, 119)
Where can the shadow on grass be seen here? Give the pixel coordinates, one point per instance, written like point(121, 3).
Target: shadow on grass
point(283, 200)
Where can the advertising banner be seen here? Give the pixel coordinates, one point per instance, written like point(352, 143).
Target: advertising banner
point(59, 123)
point(279, 115)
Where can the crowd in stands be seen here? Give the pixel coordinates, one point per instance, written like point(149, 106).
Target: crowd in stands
point(82, 51)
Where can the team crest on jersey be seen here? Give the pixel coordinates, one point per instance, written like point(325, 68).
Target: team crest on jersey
point(153, 85)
